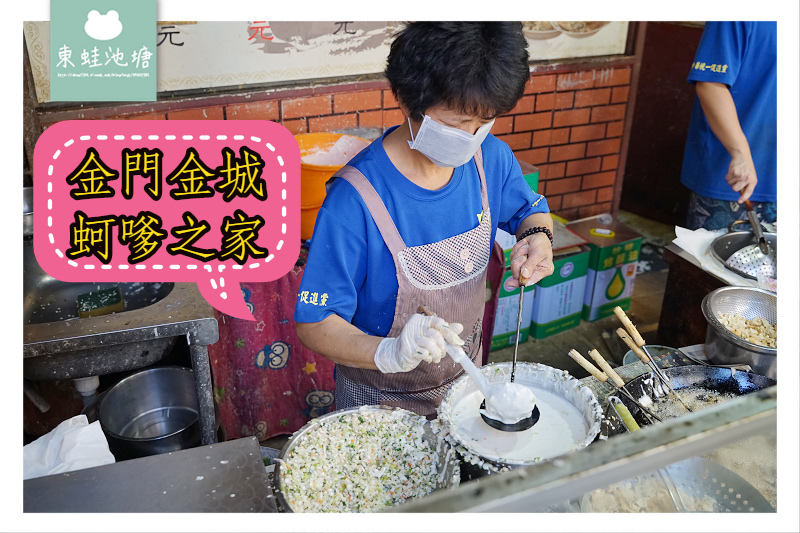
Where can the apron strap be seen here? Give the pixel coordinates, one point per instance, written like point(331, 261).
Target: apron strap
point(484, 195)
point(376, 208)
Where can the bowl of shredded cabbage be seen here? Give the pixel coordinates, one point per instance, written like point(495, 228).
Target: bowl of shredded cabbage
point(363, 459)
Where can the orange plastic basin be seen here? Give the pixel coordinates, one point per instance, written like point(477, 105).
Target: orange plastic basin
point(313, 176)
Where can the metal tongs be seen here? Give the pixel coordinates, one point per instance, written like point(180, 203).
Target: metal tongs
point(608, 373)
point(636, 343)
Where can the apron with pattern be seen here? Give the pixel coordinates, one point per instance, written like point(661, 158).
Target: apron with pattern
point(448, 277)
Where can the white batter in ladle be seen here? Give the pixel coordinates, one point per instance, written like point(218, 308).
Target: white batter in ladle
point(507, 402)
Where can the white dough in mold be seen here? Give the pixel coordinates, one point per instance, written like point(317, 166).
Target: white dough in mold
point(560, 429)
point(509, 402)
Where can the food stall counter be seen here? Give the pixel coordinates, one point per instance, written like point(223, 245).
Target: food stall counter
point(225, 477)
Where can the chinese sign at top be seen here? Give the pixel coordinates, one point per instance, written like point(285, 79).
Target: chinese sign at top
point(102, 50)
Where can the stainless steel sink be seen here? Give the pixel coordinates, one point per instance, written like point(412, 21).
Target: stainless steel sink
point(57, 344)
point(47, 299)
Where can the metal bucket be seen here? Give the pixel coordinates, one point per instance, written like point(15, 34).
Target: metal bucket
point(544, 381)
point(151, 412)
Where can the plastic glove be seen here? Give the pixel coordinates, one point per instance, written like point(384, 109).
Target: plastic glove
point(423, 338)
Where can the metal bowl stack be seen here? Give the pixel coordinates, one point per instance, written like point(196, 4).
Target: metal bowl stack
point(724, 347)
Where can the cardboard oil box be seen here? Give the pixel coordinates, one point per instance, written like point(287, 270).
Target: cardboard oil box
point(505, 319)
point(614, 251)
point(558, 298)
point(565, 243)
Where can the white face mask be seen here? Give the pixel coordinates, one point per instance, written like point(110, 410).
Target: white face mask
point(446, 146)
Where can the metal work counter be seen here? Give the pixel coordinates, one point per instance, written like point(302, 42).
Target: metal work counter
point(548, 485)
point(231, 477)
point(225, 477)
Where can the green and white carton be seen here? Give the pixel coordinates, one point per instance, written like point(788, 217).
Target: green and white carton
point(505, 318)
point(558, 299)
point(566, 242)
point(614, 251)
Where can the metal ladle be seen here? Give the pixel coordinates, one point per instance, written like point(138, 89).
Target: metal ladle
point(485, 387)
point(458, 355)
point(525, 423)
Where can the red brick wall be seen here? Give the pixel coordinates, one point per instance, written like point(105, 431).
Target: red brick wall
point(570, 123)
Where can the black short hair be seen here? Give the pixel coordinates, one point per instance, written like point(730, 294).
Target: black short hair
point(477, 68)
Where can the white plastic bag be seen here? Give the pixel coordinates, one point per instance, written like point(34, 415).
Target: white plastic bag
point(73, 445)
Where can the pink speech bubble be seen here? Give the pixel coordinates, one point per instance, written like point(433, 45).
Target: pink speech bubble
point(211, 201)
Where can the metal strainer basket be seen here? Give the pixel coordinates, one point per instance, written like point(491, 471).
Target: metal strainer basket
point(724, 347)
point(738, 251)
point(699, 485)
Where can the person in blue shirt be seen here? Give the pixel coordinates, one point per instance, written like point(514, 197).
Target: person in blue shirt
point(396, 271)
point(731, 145)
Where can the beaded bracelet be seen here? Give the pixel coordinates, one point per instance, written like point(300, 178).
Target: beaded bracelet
point(537, 229)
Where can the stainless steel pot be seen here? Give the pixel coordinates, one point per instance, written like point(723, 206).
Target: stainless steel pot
point(724, 347)
point(151, 412)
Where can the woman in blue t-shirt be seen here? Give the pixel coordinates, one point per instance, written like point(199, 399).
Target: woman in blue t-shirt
point(411, 221)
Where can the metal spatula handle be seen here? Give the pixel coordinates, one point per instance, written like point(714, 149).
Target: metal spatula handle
point(763, 245)
point(519, 325)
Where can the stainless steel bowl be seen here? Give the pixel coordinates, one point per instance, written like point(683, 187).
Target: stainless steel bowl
point(722, 346)
point(151, 412)
point(653, 349)
point(448, 466)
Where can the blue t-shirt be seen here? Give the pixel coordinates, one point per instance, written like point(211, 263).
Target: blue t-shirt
point(742, 55)
point(350, 271)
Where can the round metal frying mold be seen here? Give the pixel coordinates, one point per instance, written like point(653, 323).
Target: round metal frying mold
point(520, 425)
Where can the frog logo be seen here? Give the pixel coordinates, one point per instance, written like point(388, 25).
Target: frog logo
point(261, 430)
point(274, 356)
point(102, 27)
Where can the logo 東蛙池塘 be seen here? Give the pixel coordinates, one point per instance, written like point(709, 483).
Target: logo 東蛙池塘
point(103, 50)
